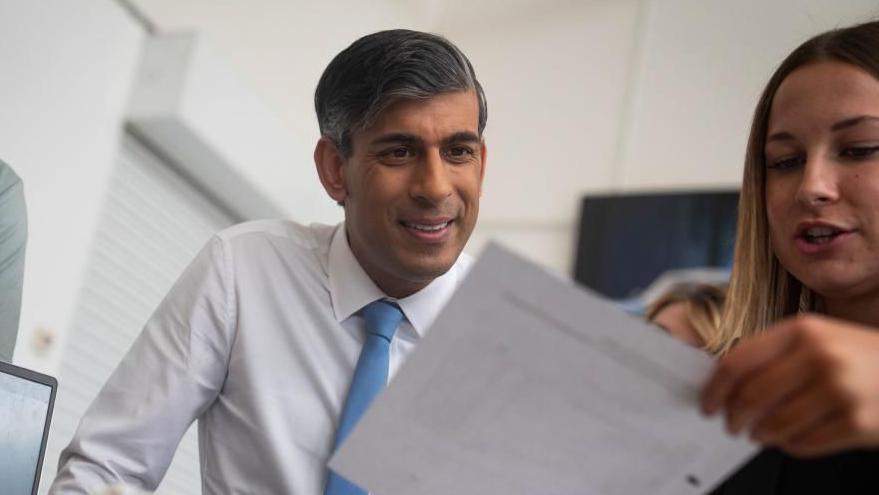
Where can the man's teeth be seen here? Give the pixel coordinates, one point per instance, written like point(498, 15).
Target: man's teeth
point(427, 228)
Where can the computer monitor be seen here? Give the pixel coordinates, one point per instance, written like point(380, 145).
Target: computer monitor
point(26, 402)
point(627, 240)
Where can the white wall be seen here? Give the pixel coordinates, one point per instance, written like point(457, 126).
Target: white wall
point(701, 68)
point(279, 48)
point(556, 84)
point(67, 69)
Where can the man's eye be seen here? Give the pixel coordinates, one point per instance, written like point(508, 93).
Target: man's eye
point(400, 152)
point(785, 163)
point(460, 152)
point(860, 152)
point(396, 154)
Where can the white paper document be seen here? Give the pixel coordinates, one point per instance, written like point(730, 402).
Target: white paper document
point(528, 384)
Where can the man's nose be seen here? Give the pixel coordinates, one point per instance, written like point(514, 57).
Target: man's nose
point(432, 182)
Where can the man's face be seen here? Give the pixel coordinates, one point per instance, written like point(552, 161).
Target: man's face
point(411, 189)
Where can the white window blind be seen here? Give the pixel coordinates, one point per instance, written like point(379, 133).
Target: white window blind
point(152, 225)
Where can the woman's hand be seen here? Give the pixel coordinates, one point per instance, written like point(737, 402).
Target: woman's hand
point(809, 385)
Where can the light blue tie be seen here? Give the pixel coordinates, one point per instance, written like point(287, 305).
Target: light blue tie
point(370, 377)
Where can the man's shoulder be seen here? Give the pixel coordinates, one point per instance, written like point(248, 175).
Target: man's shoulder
point(288, 236)
point(307, 236)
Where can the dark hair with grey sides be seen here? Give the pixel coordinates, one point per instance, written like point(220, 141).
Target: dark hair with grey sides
point(383, 67)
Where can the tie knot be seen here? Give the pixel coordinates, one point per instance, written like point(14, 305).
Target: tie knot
point(382, 318)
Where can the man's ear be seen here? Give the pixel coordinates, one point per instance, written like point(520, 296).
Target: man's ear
point(483, 152)
point(330, 168)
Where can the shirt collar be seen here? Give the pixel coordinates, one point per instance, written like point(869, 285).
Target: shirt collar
point(351, 288)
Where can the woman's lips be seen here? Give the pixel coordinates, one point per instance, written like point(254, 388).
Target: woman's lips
point(821, 239)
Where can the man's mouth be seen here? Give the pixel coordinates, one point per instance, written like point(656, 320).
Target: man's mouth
point(429, 230)
point(427, 227)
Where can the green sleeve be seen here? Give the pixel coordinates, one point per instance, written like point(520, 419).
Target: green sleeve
point(13, 237)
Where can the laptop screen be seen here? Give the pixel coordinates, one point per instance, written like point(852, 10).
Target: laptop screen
point(25, 411)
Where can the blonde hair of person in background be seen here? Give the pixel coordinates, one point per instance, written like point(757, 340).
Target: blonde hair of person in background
point(761, 291)
point(690, 312)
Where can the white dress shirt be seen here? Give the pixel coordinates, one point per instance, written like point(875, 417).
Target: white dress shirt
point(258, 341)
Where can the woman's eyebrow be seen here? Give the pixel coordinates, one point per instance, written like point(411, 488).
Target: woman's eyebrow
point(844, 124)
point(780, 136)
point(838, 126)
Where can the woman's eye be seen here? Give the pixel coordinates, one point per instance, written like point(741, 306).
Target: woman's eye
point(785, 163)
point(860, 151)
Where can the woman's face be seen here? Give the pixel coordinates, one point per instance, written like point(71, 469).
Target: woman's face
point(822, 179)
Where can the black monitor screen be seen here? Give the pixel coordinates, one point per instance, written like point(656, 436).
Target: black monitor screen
point(626, 241)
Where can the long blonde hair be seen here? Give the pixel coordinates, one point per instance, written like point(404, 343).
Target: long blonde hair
point(761, 291)
point(704, 303)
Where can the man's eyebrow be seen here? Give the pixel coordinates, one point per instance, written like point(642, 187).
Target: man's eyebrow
point(396, 137)
point(844, 124)
point(402, 137)
point(462, 137)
